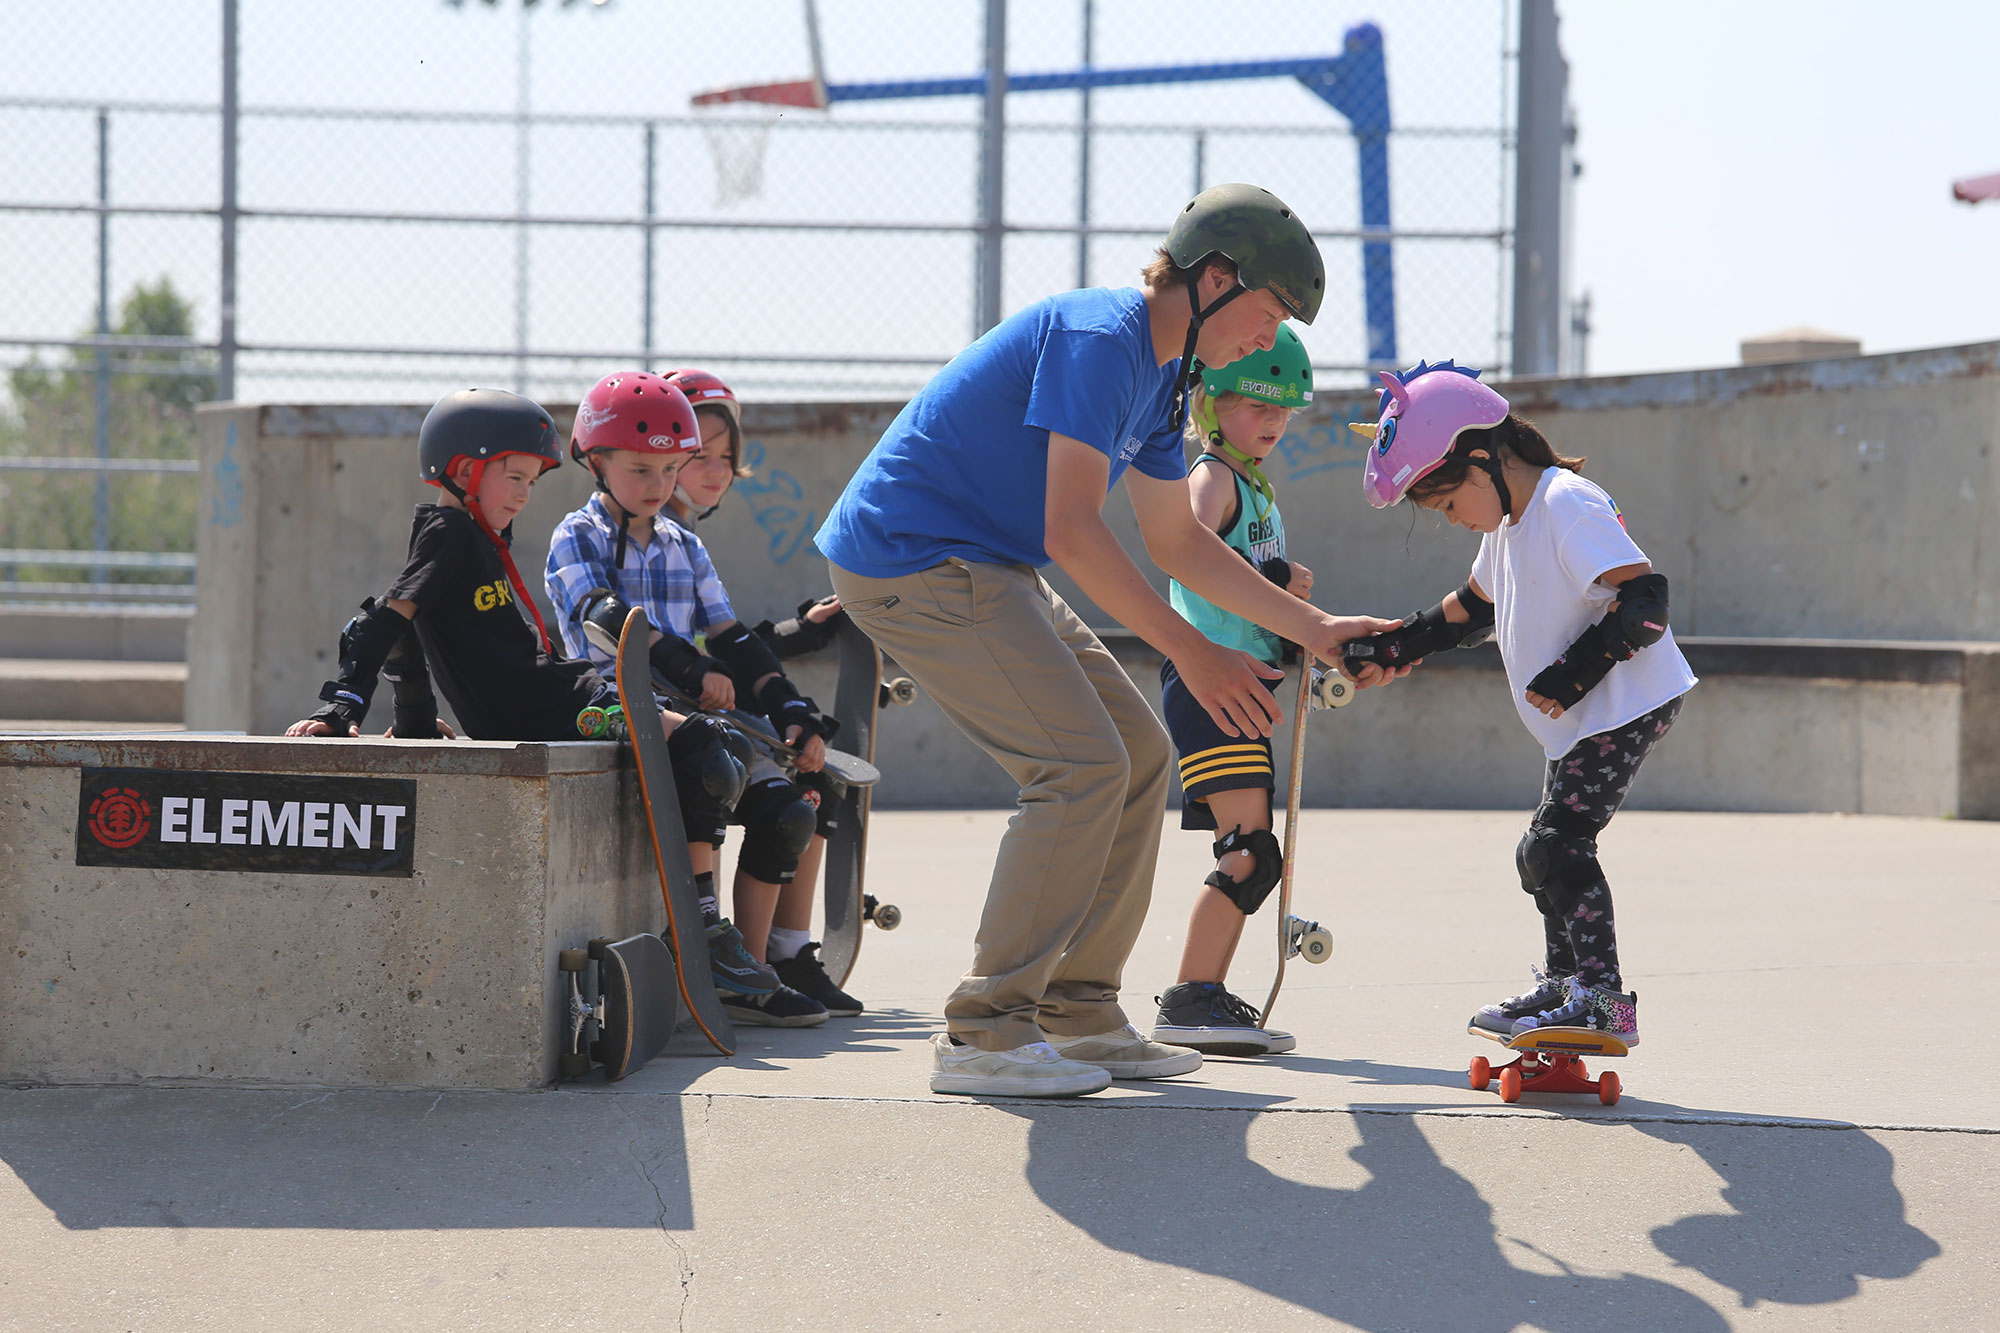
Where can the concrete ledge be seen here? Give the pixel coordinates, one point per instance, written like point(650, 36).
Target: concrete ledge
point(109, 691)
point(444, 978)
point(130, 634)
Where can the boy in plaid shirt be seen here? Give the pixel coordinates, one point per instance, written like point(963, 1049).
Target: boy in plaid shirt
point(622, 543)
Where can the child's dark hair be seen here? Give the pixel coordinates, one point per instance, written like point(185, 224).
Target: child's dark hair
point(1516, 434)
point(720, 413)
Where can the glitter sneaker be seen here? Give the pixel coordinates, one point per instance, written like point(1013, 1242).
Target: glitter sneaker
point(1598, 1008)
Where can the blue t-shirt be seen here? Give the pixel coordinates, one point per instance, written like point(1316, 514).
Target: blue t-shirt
point(964, 469)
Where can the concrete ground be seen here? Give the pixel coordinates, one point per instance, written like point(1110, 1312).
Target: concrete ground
point(1808, 1138)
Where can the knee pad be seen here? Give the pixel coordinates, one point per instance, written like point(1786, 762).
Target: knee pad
point(1267, 866)
point(1555, 865)
point(708, 778)
point(777, 824)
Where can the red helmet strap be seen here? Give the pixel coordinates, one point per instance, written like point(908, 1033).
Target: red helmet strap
point(469, 497)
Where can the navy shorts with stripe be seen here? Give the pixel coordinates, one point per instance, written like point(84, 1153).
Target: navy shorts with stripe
point(1212, 760)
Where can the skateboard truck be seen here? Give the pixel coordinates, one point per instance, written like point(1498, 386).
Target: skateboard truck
point(585, 1014)
point(1308, 939)
point(1550, 1060)
point(886, 916)
point(1330, 689)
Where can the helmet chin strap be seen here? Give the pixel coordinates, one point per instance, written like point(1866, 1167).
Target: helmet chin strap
point(1197, 316)
point(1493, 469)
point(1253, 471)
point(624, 517)
point(501, 545)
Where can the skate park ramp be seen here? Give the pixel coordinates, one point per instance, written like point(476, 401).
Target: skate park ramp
point(1808, 1136)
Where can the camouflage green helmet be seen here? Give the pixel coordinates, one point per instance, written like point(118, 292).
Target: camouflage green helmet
point(1269, 245)
point(1283, 375)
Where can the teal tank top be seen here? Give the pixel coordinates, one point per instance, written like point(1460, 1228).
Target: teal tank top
point(1259, 539)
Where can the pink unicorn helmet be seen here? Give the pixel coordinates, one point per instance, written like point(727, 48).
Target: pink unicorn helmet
point(1423, 412)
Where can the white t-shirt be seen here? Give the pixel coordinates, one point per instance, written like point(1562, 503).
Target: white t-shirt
point(1541, 572)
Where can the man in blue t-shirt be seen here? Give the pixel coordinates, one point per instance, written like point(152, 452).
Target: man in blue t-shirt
point(1001, 464)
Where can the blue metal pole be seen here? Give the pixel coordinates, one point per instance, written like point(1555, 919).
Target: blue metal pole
point(1357, 86)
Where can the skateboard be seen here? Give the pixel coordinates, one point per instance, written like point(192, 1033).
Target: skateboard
point(669, 835)
point(1317, 690)
point(1550, 1060)
point(621, 1014)
point(847, 905)
point(848, 768)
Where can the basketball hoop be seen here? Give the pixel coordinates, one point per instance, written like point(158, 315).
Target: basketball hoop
point(737, 143)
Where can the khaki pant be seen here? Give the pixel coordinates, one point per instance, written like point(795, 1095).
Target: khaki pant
point(1015, 669)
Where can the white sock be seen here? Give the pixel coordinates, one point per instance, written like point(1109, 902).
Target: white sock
point(785, 944)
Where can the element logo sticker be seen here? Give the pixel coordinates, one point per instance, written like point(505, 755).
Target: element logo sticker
point(120, 817)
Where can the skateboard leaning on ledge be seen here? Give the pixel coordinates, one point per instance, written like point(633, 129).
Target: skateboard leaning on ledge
point(623, 1001)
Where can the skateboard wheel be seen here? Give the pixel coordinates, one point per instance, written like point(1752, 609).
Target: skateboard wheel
point(1607, 1089)
point(1317, 945)
point(903, 690)
point(574, 1065)
point(888, 916)
point(1482, 1073)
point(1510, 1084)
point(572, 960)
point(598, 947)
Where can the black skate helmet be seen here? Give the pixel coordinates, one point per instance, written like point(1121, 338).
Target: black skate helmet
point(482, 425)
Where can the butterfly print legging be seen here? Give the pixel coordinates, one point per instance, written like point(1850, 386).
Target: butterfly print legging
point(1580, 793)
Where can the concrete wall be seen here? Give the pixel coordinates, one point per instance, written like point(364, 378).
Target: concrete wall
point(444, 979)
point(1904, 729)
point(1843, 499)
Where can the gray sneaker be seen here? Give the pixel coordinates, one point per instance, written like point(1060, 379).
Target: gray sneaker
point(1126, 1054)
point(1034, 1070)
point(1204, 1016)
point(1548, 991)
point(730, 964)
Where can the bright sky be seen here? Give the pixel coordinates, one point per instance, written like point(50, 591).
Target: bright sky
point(1749, 166)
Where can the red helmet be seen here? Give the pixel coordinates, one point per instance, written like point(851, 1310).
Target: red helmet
point(702, 387)
point(635, 410)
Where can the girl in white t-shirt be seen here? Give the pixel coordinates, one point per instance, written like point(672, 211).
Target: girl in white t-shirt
point(1581, 620)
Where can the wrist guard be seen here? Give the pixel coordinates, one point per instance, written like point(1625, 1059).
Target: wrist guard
point(1277, 569)
point(781, 701)
point(366, 642)
point(416, 706)
point(681, 663)
point(797, 636)
point(1639, 622)
point(744, 655)
point(1422, 634)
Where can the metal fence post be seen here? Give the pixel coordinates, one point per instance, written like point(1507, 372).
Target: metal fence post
point(646, 333)
point(225, 370)
point(992, 172)
point(1083, 161)
point(521, 206)
point(1542, 88)
point(100, 523)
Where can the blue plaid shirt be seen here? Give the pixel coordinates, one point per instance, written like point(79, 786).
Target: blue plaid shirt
point(670, 578)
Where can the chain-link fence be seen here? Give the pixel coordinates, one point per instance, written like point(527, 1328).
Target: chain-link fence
point(427, 195)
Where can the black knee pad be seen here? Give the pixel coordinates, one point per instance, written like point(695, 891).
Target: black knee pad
point(777, 824)
point(1267, 866)
point(1556, 865)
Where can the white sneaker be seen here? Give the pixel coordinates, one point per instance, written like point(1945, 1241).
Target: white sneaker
point(1282, 1041)
point(1127, 1054)
point(1034, 1070)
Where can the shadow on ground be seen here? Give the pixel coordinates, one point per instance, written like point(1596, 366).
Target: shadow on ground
point(1815, 1210)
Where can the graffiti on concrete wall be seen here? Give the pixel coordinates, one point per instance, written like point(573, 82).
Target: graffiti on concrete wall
point(778, 502)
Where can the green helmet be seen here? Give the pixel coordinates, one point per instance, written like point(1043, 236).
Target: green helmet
point(1283, 375)
point(1252, 227)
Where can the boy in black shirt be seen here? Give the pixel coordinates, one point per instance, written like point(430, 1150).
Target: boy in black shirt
point(461, 594)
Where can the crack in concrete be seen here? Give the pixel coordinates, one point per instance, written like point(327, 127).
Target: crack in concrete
point(682, 1262)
